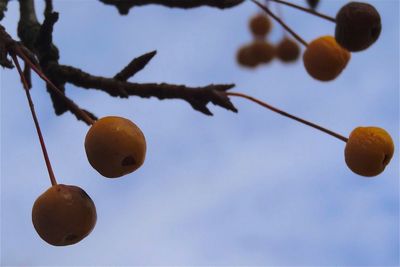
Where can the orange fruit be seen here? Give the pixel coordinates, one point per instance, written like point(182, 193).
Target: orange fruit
point(324, 59)
point(115, 146)
point(63, 215)
point(368, 150)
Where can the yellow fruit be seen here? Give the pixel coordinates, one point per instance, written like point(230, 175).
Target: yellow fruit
point(260, 25)
point(246, 58)
point(324, 59)
point(63, 215)
point(368, 150)
point(115, 146)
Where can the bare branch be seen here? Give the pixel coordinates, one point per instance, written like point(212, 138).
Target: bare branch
point(38, 39)
point(3, 8)
point(48, 7)
point(28, 25)
point(44, 47)
point(5, 42)
point(124, 6)
point(136, 65)
point(197, 97)
point(10, 46)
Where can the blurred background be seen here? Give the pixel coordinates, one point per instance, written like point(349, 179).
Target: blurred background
point(252, 188)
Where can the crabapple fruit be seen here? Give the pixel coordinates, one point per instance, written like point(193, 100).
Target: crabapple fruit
point(63, 215)
point(358, 26)
point(262, 51)
point(324, 59)
point(245, 57)
point(368, 150)
point(287, 50)
point(115, 146)
point(260, 25)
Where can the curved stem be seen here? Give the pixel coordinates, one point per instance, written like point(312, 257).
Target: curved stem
point(39, 132)
point(338, 136)
point(282, 23)
point(308, 10)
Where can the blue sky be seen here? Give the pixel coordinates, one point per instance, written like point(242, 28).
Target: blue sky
point(251, 188)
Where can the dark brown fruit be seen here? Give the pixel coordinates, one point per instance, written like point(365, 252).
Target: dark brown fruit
point(312, 3)
point(358, 26)
point(246, 58)
point(288, 50)
point(63, 215)
point(260, 25)
point(262, 51)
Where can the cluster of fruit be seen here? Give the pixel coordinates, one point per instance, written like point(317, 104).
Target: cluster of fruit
point(358, 25)
point(260, 50)
point(65, 214)
point(368, 149)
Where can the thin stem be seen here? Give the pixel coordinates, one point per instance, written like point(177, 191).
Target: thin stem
point(338, 136)
point(72, 105)
point(282, 23)
point(39, 132)
point(308, 10)
point(279, 11)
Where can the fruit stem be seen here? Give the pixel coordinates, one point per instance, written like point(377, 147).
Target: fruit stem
point(338, 136)
point(72, 105)
point(282, 23)
point(280, 15)
point(308, 10)
point(39, 132)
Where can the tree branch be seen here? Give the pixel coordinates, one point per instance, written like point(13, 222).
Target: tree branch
point(48, 7)
point(5, 43)
point(136, 65)
point(3, 8)
point(124, 6)
point(39, 42)
point(197, 97)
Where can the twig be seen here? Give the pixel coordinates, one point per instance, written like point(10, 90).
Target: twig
point(28, 76)
point(38, 38)
point(336, 135)
point(3, 8)
point(35, 120)
point(69, 102)
point(136, 65)
point(197, 97)
point(284, 25)
point(308, 10)
point(48, 7)
point(124, 6)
